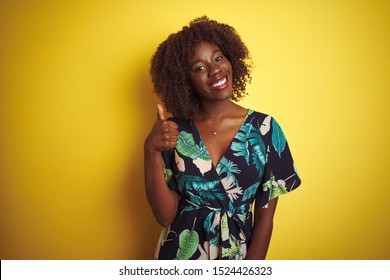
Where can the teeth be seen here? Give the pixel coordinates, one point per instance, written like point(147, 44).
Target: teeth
point(220, 83)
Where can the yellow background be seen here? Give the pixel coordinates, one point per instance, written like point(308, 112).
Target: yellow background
point(76, 103)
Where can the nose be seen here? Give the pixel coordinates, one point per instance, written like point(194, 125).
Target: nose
point(214, 69)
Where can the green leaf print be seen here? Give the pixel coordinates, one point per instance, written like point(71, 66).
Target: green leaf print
point(242, 217)
point(241, 147)
point(276, 188)
point(224, 227)
point(250, 143)
point(200, 185)
point(229, 168)
point(208, 223)
point(164, 235)
point(195, 198)
point(237, 209)
point(240, 211)
point(232, 209)
point(167, 172)
point(188, 243)
point(212, 194)
point(278, 138)
point(186, 146)
point(215, 241)
point(259, 158)
point(196, 183)
point(250, 192)
point(267, 185)
point(234, 250)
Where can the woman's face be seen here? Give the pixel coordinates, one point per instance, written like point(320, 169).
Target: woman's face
point(210, 73)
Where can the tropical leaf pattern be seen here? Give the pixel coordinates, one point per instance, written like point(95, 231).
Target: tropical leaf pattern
point(275, 188)
point(249, 145)
point(188, 244)
point(250, 192)
point(187, 147)
point(278, 138)
point(214, 218)
point(229, 168)
point(167, 172)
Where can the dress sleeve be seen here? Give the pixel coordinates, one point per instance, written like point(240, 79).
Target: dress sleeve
point(280, 175)
point(169, 167)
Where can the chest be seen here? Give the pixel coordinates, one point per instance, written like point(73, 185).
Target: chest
point(218, 143)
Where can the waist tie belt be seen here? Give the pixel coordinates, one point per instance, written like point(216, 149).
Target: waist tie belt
point(223, 227)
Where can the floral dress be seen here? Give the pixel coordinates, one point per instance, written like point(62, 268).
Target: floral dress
point(214, 218)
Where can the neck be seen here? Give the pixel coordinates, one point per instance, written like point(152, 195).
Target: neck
point(217, 110)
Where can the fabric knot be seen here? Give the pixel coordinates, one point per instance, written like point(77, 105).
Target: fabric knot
point(223, 227)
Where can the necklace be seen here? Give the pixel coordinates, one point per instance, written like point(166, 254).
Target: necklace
point(213, 132)
point(208, 128)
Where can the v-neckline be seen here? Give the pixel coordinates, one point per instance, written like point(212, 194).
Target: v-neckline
point(215, 167)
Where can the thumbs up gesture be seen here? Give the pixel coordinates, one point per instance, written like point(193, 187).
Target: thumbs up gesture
point(164, 133)
point(160, 113)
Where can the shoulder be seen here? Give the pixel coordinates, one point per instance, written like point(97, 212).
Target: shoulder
point(257, 115)
point(261, 116)
point(258, 119)
point(264, 122)
point(182, 123)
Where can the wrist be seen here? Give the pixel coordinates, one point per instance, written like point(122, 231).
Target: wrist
point(149, 150)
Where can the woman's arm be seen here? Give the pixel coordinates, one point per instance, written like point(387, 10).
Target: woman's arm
point(163, 201)
point(262, 231)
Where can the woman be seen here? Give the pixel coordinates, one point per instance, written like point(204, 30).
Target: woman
point(206, 166)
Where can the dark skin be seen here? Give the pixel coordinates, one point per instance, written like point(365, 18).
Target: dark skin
point(210, 76)
point(163, 201)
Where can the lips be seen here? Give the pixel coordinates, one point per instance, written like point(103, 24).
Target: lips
point(220, 84)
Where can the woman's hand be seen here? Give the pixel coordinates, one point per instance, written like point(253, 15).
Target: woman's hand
point(163, 201)
point(163, 135)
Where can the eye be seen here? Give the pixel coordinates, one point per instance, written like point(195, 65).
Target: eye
point(200, 68)
point(218, 58)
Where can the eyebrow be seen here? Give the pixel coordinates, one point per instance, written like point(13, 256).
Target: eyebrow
point(199, 59)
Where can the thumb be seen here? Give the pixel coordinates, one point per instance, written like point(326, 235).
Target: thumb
point(160, 112)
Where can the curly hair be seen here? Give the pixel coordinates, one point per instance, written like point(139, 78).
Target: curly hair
point(169, 64)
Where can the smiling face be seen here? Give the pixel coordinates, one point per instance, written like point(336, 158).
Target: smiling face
point(210, 73)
